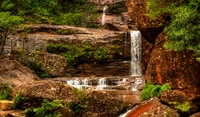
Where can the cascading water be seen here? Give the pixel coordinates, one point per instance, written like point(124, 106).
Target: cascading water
point(136, 50)
point(136, 58)
point(104, 15)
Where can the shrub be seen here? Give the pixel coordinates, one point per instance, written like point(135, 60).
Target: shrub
point(81, 52)
point(5, 92)
point(151, 90)
point(78, 106)
point(19, 100)
point(47, 109)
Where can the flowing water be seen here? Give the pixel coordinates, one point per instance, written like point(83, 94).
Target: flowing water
point(104, 15)
point(136, 50)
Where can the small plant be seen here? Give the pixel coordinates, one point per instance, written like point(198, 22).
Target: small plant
point(18, 101)
point(78, 106)
point(184, 107)
point(36, 67)
point(47, 109)
point(5, 92)
point(151, 90)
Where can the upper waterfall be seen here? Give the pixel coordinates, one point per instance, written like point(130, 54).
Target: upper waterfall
point(136, 51)
point(104, 15)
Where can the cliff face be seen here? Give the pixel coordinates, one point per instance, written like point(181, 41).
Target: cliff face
point(180, 69)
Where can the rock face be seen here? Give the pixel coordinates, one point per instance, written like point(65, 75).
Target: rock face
point(42, 35)
point(13, 73)
point(152, 108)
point(180, 69)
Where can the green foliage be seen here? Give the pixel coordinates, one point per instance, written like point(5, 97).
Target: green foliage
point(5, 92)
point(78, 106)
point(151, 90)
point(18, 101)
point(47, 109)
point(85, 51)
point(76, 12)
point(183, 30)
point(184, 107)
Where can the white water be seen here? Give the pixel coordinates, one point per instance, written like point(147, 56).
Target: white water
point(102, 84)
point(136, 50)
point(104, 15)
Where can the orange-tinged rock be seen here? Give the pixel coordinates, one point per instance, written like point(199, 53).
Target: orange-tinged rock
point(5, 105)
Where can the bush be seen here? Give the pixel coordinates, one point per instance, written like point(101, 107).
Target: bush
point(151, 90)
point(47, 109)
point(19, 101)
point(5, 92)
point(81, 52)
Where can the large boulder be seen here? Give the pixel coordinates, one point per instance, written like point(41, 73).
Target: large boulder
point(102, 105)
point(36, 92)
point(13, 73)
point(179, 69)
point(96, 104)
point(152, 108)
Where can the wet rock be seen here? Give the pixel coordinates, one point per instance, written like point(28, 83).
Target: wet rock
point(102, 105)
point(178, 100)
point(37, 91)
point(152, 108)
point(13, 73)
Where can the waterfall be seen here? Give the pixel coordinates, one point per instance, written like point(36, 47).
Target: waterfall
point(104, 15)
point(136, 50)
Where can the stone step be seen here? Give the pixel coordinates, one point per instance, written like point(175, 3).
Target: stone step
point(5, 105)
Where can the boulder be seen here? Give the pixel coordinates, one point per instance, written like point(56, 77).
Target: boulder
point(179, 101)
point(102, 105)
point(15, 74)
point(179, 69)
point(37, 91)
point(149, 28)
point(152, 108)
point(54, 65)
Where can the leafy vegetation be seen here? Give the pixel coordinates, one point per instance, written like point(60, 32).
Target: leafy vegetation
point(47, 109)
point(184, 107)
point(33, 63)
point(5, 92)
point(68, 12)
point(18, 101)
point(183, 29)
point(151, 90)
point(76, 53)
point(78, 106)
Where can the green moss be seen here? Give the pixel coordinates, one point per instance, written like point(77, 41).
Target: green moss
point(151, 90)
point(184, 107)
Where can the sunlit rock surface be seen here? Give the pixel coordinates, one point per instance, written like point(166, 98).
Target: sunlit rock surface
point(13, 73)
